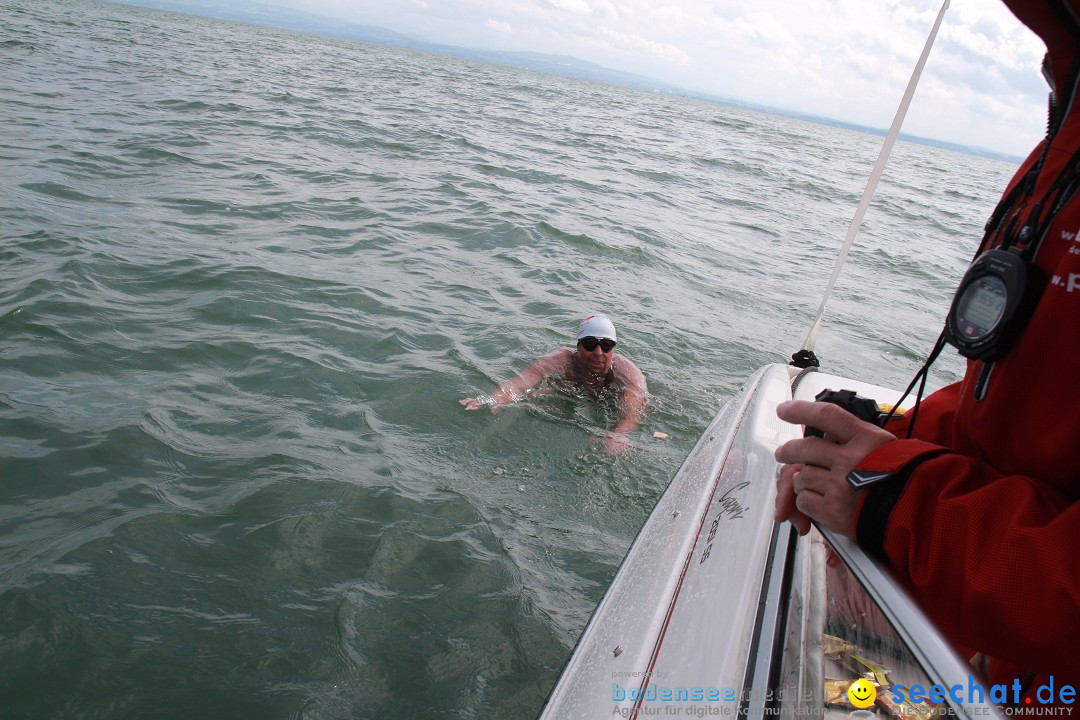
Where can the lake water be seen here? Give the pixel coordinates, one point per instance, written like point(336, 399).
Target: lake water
point(247, 275)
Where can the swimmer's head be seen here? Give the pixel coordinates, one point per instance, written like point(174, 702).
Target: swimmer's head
point(596, 326)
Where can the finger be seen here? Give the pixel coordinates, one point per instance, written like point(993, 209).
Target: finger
point(810, 503)
point(837, 422)
point(785, 492)
point(785, 500)
point(807, 451)
point(834, 510)
point(812, 479)
point(800, 522)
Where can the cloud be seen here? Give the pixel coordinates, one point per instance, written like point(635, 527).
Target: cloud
point(636, 43)
point(579, 7)
point(499, 26)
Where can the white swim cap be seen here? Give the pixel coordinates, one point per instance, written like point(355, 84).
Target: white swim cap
point(596, 326)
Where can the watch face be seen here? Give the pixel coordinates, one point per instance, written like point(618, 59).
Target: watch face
point(980, 307)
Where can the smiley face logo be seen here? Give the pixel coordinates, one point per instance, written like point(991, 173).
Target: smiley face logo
point(861, 694)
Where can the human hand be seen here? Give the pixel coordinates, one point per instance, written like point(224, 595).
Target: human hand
point(617, 443)
point(477, 403)
point(812, 484)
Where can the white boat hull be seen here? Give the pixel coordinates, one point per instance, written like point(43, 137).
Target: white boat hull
point(716, 610)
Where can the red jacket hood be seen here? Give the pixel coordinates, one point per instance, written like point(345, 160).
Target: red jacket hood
point(1057, 22)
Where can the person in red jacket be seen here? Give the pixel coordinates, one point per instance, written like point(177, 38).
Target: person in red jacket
point(976, 512)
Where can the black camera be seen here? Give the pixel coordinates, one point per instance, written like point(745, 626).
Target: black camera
point(862, 408)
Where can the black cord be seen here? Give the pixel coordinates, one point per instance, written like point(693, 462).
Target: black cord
point(920, 378)
point(925, 371)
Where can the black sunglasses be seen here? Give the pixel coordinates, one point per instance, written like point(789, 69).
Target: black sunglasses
point(590, 343)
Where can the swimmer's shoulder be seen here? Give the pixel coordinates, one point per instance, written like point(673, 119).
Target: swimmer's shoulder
point(557, 362)
point(627, 373)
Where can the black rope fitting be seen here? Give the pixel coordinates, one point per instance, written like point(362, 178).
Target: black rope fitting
point(805, 359)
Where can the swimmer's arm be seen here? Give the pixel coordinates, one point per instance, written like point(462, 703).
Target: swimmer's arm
point(631, 410)
point(515, 389)
point(632, 404)
point(635, 395)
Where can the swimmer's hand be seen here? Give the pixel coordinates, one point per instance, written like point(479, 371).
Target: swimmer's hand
point(617, 444)
point(477, 403)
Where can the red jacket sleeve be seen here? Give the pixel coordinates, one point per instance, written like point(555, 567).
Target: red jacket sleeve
point(978, 550)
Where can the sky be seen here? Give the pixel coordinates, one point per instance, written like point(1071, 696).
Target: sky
point(848, 60)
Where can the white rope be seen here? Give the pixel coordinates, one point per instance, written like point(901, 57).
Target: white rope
point(871, 184)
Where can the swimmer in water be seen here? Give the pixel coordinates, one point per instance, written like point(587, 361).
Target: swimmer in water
point(591, 365)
